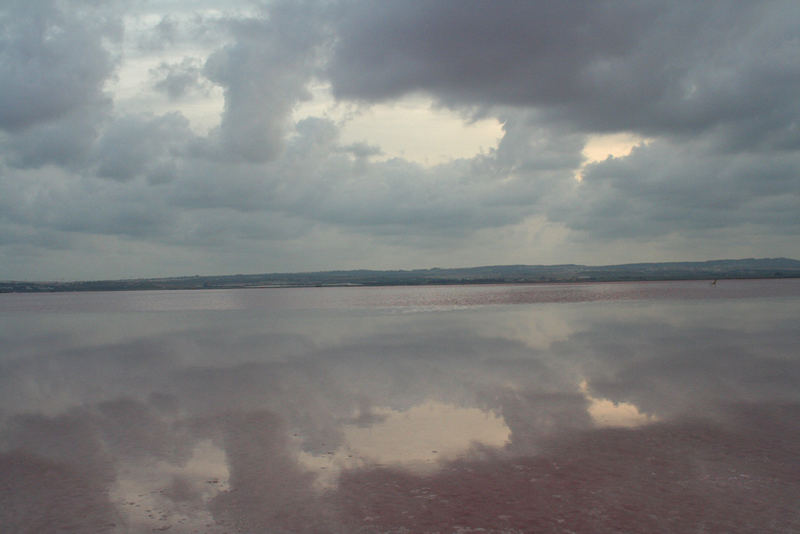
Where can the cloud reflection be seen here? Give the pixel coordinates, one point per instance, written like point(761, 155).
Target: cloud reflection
point(251, 421)
point(420, 439)
point(609, 413)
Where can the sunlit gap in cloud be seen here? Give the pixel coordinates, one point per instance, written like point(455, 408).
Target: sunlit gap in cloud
point(416, 438)
point(607, 413)
point(133, 83)
point(411, 128)
point(601, 147)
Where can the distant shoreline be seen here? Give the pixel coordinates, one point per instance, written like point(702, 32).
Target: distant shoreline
point(764, 268)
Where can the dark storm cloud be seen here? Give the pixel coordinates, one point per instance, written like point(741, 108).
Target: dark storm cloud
point(468, 49)
point(651, 67)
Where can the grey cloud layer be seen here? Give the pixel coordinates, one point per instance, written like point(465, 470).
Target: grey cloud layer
point(650, 67)
point(685, 188)
point(713, 87)
point(53, 60)
point(264, 73)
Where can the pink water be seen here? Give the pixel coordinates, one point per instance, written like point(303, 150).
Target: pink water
point(625, 407)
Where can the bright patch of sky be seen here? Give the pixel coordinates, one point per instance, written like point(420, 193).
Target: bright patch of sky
point(604, 146)
point(411, 128)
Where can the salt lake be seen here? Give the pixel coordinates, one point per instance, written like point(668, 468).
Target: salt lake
point(616, 407)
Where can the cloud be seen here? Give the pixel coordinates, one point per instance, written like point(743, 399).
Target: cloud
point(162, 35)
point(64, 142)
point(653, 68)
point(402, 197)
point(264, 73)
point(61, 202)
point(686, 188)
point(319, 180)
point(140, 145)
point(362, 150)
point(202, 133)
point(179, 79)
point(52, 60)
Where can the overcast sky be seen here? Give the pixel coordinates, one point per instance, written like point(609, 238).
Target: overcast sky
point(171, 137)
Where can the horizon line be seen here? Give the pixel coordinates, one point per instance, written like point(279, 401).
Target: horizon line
point(422, 269)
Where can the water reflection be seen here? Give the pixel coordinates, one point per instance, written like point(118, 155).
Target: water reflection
point(516, 413)
point(155, 494)
point(605, 412)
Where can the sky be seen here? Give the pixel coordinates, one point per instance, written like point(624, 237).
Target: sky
point(167, 138)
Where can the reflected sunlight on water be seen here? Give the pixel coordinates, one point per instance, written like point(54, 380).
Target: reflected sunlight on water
point(607, 413)
point(153, 494)
point(419, 439)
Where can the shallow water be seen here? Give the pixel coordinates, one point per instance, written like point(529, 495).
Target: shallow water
point(624, 407)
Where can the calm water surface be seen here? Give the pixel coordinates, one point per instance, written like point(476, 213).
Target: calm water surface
point(623, 407)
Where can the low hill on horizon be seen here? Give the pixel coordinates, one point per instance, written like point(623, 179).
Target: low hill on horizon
point(491, 274)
